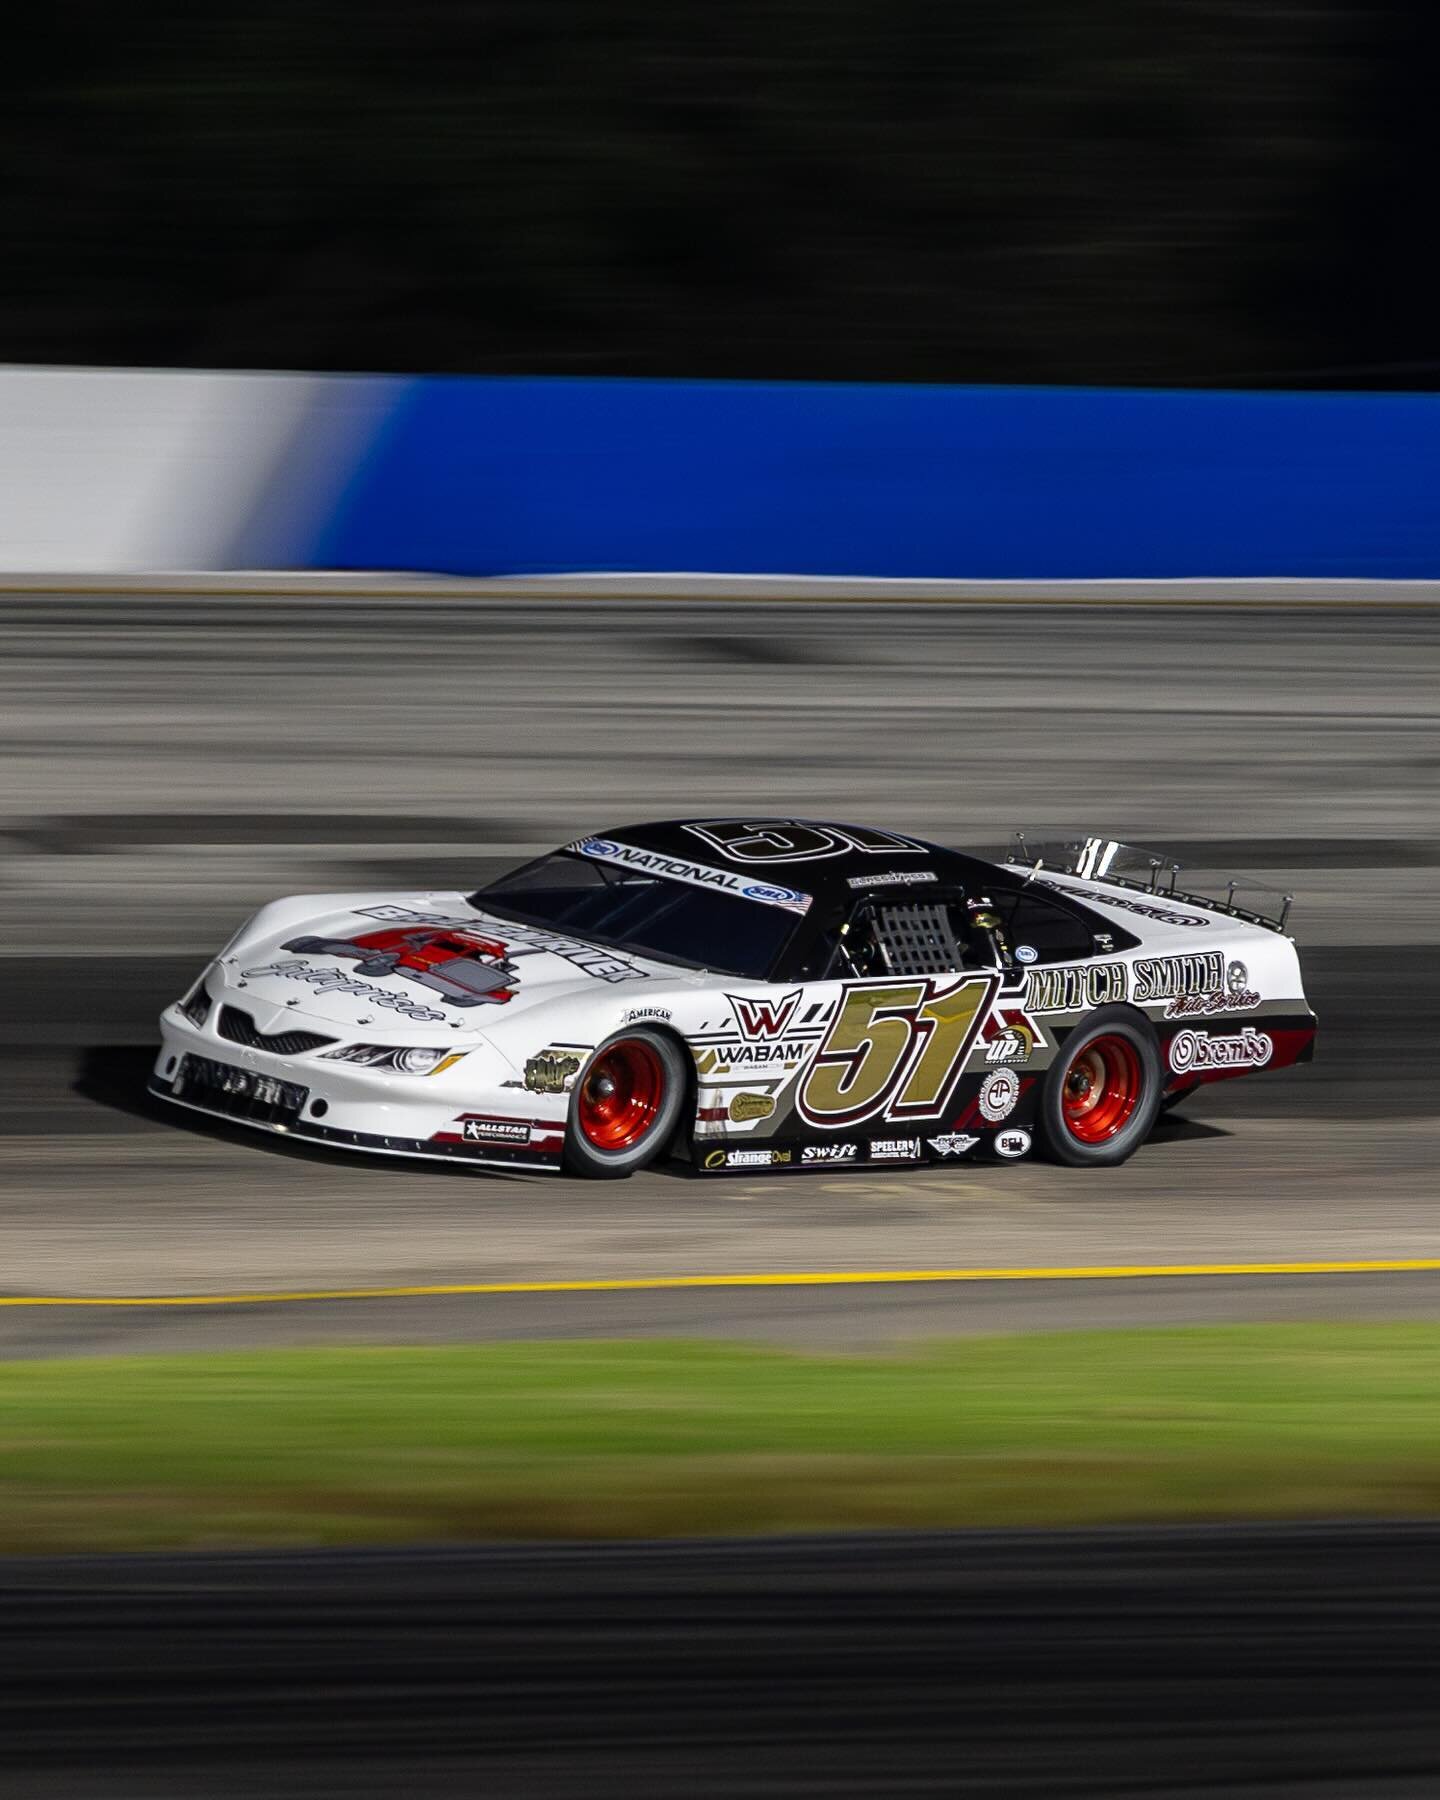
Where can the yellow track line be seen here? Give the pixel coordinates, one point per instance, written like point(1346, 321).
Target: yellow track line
point(798, 1278)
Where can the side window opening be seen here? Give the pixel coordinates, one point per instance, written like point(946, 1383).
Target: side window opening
point(1052, 931)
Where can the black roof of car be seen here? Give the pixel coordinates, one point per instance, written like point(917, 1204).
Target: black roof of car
point(818, 857)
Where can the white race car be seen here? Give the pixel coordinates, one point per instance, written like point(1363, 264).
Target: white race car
point(748, 994)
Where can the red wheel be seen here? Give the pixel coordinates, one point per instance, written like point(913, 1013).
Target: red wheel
point(1102, 1088)
point(621, 1094)
point(625, 1107)
point(1101, 1095)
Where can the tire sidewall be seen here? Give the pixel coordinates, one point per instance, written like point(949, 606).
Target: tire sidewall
point(580, 1157)
point(1055, 1136)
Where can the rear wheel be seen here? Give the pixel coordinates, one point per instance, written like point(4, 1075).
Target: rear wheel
point(625, 1105)
point(1102, 1095)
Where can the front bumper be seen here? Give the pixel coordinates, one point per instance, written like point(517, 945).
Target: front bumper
point(453, 1117)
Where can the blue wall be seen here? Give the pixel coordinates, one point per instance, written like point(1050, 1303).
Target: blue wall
point(484, 477)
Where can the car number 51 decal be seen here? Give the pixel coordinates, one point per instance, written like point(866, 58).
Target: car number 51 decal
point(895, 1048)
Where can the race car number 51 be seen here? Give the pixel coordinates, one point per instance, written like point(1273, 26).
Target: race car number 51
point(906, 1039)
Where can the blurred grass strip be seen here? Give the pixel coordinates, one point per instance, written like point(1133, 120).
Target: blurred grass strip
point(656, 1438)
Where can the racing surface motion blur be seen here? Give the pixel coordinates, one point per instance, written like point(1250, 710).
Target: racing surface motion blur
point(750, 994)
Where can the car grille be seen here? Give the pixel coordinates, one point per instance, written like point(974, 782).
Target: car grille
point(239, 1093)
point(237, 1025)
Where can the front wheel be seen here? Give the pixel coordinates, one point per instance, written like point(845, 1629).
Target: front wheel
point(625, 1105)
point(1102, 1095)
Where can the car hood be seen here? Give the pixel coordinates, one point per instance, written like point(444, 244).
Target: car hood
point(414, 967)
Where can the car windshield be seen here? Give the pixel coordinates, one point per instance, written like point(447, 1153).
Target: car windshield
point(627, 909)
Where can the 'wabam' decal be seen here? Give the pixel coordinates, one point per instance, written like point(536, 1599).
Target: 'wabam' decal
point(895, 1049)
point(763, 1016)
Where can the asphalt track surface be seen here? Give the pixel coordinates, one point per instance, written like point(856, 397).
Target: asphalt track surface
point(166, 763)
point(1275, 1662)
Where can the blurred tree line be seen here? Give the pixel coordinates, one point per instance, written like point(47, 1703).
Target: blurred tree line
point(1135, 191)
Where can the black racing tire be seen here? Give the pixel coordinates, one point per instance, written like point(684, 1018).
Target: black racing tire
point(1101, 1096)
point(625, 1104)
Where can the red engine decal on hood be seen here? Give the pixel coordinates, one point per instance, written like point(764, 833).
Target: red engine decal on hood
point(461, 966)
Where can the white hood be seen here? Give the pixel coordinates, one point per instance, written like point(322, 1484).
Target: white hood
point(412, 967)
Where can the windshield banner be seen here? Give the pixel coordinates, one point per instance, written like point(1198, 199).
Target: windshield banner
point(679, 868)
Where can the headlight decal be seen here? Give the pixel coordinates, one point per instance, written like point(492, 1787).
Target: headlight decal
point(415, 1059)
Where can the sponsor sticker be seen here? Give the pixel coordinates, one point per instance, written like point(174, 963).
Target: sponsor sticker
point(832, 1153)
point(745, 1107)
point(1167, 915)
point(462, 965)
point(739, 1056)
point(894, 1149)
point(633, 1015)
point(891, 878)
point(998, 1093)
point(1011, 1037)
point(1026, 953)
point(746, 1159)
point(248, 1084)
point(1075, 990)
point(1163, 977)
point(603, 965)
point(1190, 1006)
point(495, 1131)
point(693, 874)
point(1236, 996)
point(552, 1070)
point(338, 981)
point(763, 1017)
point(1012, 1142)
point(953, 1143)
point(762, 1022)
point(1009, 1045)
point(1245, 1049)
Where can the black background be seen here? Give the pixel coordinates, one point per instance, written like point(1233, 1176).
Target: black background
point(1128, 191)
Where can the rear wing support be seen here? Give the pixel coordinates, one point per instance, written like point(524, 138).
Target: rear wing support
point(1152, 872)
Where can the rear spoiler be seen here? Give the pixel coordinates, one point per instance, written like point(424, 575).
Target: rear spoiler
point(1152, 872)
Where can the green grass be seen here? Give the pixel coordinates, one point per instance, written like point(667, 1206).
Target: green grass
point(658, 1438)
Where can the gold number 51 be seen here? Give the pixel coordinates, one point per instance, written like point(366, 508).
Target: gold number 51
point(901, 1035)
